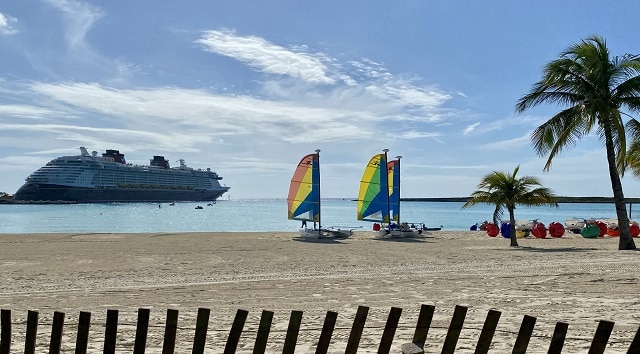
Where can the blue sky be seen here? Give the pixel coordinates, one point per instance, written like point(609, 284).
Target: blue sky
point(249, 87)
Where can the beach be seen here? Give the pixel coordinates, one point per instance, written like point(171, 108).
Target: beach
point(569, 279)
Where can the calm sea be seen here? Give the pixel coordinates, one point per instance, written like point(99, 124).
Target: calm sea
point(255, 215)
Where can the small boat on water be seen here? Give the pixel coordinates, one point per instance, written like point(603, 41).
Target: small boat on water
point(303, 201)
point(379, 199)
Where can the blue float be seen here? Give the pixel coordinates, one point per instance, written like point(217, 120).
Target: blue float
point(505, 230)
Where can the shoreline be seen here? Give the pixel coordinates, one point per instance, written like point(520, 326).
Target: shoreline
point(570, 279)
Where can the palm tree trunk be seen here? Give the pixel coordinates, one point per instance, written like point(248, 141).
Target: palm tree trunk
point(512, 224)
point(626, 241)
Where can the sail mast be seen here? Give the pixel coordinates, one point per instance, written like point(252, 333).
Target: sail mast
point(398, 158)
point(319, 208)
point(385, 174)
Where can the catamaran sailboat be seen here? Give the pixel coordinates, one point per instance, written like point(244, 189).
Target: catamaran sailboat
point(379, 198)
point(304, 200)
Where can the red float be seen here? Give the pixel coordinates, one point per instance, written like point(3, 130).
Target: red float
point(492, 230)
point(539, 230)
point(635, 230)
point(602, 226)
point(556, 229)
point(613, 232)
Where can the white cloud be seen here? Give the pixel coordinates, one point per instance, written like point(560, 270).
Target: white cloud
point(470, 128)
point(509, 144)
point(267, 57)
point(25, 111)
point(416, 135)
point(79, 17)
point(6, 24)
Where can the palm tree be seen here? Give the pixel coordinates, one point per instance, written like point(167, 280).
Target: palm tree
point(504, 190)
point(594, 88)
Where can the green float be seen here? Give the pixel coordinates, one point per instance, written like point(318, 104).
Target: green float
point(590, 231)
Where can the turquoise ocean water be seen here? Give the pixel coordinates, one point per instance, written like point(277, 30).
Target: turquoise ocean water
point(255, 215)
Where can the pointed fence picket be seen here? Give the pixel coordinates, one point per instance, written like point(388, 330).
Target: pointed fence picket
point(416, 346)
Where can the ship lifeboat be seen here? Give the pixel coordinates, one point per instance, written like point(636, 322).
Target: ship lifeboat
point(556, 229)
point(492, 230)
point(539, 230)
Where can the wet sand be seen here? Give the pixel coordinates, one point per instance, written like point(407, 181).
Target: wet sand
point(570, 279)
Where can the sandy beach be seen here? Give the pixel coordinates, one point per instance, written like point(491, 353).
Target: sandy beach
point(570, 279)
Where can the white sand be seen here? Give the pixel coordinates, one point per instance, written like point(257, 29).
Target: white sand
point(571, 279)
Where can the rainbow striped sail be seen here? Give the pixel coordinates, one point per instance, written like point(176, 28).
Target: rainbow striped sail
point(373, 198)
point(304, 191)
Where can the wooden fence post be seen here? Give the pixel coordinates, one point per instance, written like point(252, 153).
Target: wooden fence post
point(292, 333)
point(111, 332)
point(559, 335)
point(235, 332)
point(32, 332)
point(56, 332)
point(327, 331)
point(169, 344)
point(5, 331)
point(262, 337)
point(389, 330)
point(635, 343)
point(422, 329)
point(524, 335)
point(142, 329)
point(457, 321)
point(82, 337)
point(356, 330)
point(202, 325)
point(601, 337)
point(488, 330)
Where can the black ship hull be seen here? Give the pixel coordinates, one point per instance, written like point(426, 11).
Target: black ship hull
point(58, 193)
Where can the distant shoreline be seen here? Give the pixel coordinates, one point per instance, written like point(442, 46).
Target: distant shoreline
point(560, 199)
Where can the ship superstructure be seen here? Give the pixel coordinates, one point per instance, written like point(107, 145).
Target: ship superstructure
point(91, 178)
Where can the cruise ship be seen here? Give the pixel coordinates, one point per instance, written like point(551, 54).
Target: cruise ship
point(90, 178)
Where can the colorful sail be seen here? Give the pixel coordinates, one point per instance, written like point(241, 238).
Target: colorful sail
point(393, 168)
point(304, 191)
point(373, 198)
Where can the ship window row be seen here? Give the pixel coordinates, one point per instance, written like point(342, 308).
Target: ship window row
point(143, 178)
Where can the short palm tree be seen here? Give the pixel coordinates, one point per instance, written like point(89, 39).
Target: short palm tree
point(595, 89)
point(633, 158)
point(505, 190)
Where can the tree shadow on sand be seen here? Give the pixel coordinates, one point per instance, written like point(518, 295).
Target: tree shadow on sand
point(325, 240)
point(421, 239)
point(553, 250)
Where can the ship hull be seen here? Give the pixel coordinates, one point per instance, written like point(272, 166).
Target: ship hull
point(59, 193)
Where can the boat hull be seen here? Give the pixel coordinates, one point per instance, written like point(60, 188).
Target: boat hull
point(60, 193)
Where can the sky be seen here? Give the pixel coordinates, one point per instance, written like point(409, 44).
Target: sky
point(248, 88)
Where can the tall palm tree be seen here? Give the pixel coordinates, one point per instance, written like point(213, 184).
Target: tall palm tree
point(505, 190)
point(595, 89)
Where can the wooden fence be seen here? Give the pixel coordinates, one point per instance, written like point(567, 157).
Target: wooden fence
point(598, 343)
